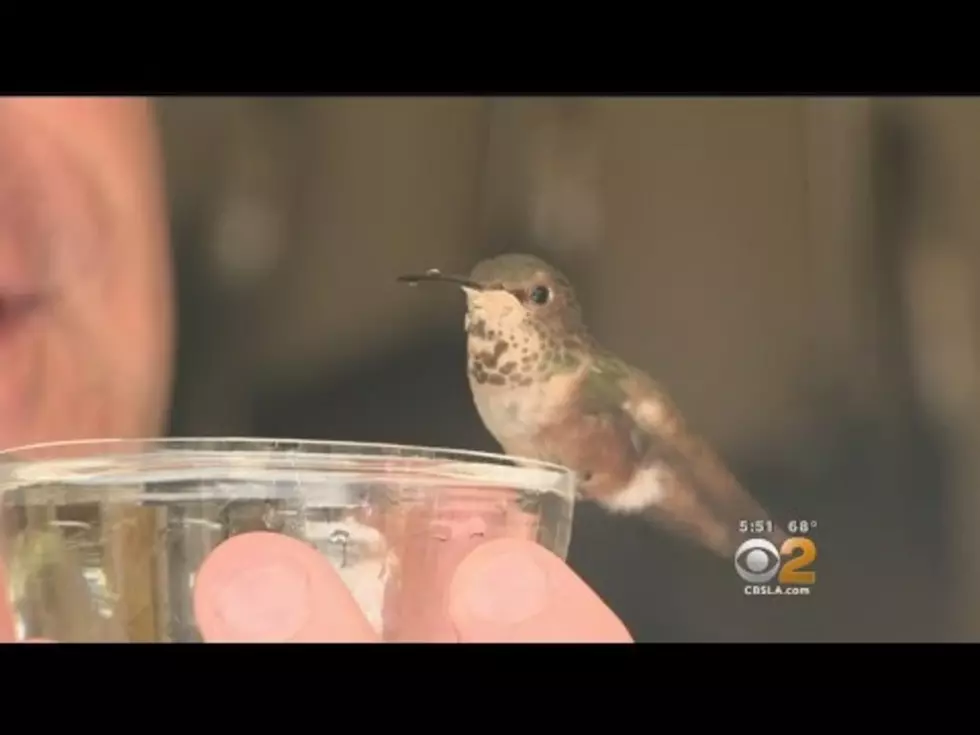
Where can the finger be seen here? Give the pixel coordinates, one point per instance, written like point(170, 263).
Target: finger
point(7, 626)
point(511, 591)
point(267, 587)
point(430, 541)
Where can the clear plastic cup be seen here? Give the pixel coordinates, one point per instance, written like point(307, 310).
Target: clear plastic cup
point(109, 540)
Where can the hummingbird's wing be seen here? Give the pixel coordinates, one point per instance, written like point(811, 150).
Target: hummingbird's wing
point(676, 479)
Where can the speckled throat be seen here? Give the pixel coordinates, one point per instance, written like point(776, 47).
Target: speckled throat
point(519, 358)
point(522, 380)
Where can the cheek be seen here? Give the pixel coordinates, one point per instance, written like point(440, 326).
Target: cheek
point(522, 321)
point(122, 314)
point(511, 314)
point(108, 339)
point(108, 344)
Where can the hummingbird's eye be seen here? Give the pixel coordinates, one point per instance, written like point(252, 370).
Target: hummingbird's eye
point(540, 295)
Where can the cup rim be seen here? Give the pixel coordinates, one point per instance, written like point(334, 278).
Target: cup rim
point(13, 461)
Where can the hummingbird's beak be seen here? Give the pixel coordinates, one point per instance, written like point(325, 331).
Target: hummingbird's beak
point(435, 275)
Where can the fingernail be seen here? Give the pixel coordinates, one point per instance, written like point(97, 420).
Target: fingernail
point(504, 588)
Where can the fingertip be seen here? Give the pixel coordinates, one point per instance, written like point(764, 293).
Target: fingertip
point(268, 587)
point(7, 626)
point(511, 590)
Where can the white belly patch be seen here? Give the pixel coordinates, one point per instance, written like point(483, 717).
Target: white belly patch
point(647, 488)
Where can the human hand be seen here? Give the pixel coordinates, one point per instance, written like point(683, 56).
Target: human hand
point(268, 587)
point(272, 588)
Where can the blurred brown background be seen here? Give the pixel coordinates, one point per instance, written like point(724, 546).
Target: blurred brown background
point(801, 273)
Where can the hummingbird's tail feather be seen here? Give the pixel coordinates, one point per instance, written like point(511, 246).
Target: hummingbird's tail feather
point(721, 534)
point(717, 519)
point(679, 482)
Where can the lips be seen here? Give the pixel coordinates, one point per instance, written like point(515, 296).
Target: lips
point(20, 277)
point(39, 218)
point(20, 310)
point(14, 312)
point(21, 261)
point(20, 290)
point(19, 338)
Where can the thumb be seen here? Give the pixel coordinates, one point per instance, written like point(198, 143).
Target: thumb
point(7, 625)
point(510, 591)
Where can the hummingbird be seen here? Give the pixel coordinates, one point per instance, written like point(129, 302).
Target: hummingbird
point(547, 390)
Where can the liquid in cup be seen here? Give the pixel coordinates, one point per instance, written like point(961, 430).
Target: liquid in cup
point(102, 540)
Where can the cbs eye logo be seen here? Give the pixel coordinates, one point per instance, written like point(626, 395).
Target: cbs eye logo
point(758, 561)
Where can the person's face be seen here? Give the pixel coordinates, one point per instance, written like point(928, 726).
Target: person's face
point(85, 312)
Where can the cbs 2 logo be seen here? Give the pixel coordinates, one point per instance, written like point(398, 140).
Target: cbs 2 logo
point(756, 569)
